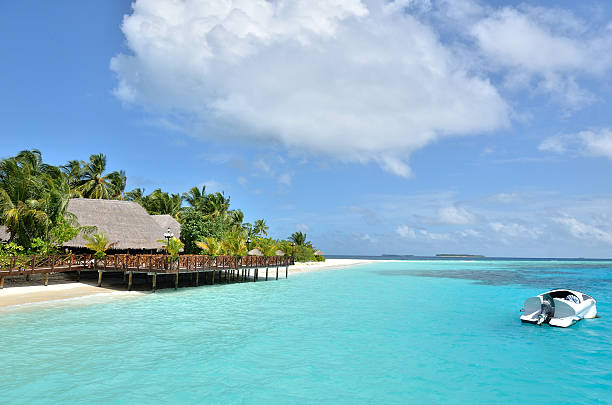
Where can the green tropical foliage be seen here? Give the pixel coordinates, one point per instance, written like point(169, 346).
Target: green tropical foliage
point(173, 246)
point(234, 243)
point(89, 180)
point(299, 238)
point(196, 198)
point(211, 246)
point(267, 246)
point(99, 243)
point(34, 197)
point(260, 227)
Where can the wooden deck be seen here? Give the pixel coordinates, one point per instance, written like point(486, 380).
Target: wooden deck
point(233, 268)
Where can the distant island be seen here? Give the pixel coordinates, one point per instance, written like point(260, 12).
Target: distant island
point(458, 255)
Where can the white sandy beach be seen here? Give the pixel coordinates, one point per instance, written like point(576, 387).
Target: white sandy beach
point(329, 264)
point(39, 294)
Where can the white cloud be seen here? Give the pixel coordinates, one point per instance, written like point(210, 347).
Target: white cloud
point(367, 238)
point(515, 230)
point(505, 198)
point(302, 228)
point(285, 179)
point(584, 231)
point(550, 46)
point(406, 232)
point(339, 77)
point(409, 233)
point(586, 143)
point(470, 233)
point(455, 216)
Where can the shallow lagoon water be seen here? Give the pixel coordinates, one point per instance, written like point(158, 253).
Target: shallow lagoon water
point(412, 331)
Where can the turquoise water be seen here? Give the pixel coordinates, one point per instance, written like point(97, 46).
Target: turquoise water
point(392, 333)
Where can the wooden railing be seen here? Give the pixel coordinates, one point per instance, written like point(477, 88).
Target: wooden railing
point(140, 263)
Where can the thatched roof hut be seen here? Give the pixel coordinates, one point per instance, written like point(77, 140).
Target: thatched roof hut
point(318, 253)
point(167, 221)
point(255, 252)
point(279, 253)
point(4, 234)
point(125, 223)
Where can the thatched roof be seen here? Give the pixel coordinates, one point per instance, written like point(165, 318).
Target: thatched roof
point(279, 253)
point(125, 223)
point(318, 253)
point(255, 252)
point(4, 235)
point(167, 221)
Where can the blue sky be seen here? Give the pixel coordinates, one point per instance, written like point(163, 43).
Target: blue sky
point(411, 126)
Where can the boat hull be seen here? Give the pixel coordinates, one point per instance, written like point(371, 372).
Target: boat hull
point(568, 307)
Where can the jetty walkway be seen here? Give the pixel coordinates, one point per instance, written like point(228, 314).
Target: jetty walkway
point(228, 268)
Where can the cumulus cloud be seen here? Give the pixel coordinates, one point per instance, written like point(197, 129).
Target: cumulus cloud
point(409, 233)
point(581, 230)
point(359, 81)
point(550, 46)
point(586, 143)
point(455, 216)
point(406, 232)
point(515, 230)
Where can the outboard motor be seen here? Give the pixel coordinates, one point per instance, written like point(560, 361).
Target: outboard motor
point(547, 310)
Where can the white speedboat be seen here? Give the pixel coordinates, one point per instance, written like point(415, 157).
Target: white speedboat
point(560, 308)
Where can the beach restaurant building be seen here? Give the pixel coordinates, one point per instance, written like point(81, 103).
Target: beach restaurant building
point(126, 224)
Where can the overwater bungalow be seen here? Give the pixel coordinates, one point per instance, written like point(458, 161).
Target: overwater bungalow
point(126, 224)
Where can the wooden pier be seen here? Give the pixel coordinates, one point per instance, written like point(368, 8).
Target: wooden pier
point(226, 268)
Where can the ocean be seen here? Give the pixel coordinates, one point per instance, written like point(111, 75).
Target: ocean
point(412, 331)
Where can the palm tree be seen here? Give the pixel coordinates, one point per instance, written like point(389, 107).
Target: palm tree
point(260, 227)
point(136, 195)
point(33, 196)
point(196, 198)
point(216, 205)
point(267, 246)
point(99, 243)
point(173, 246)
point(299, 238)
point(73, 171)
point(119, 181)
point(159, 202)
point(236, 217)
point(212, 246)
point(234, 243)
point(94, 183)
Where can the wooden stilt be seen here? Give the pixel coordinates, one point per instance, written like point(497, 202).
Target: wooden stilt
point(266, 274)
point(277, 273)
point(124, 275)
point(287, 272)
point(1, 282)
point(176, 280)
point(213, 277)
point(78, 275)
point(100, 278)
point(46, 279)
point(130, 281)
point(255, 275)
point(197, 278)
point(154, 282)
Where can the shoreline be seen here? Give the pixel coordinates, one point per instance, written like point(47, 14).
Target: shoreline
point(329, 264)
point(19, 296)
point(15, 297)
